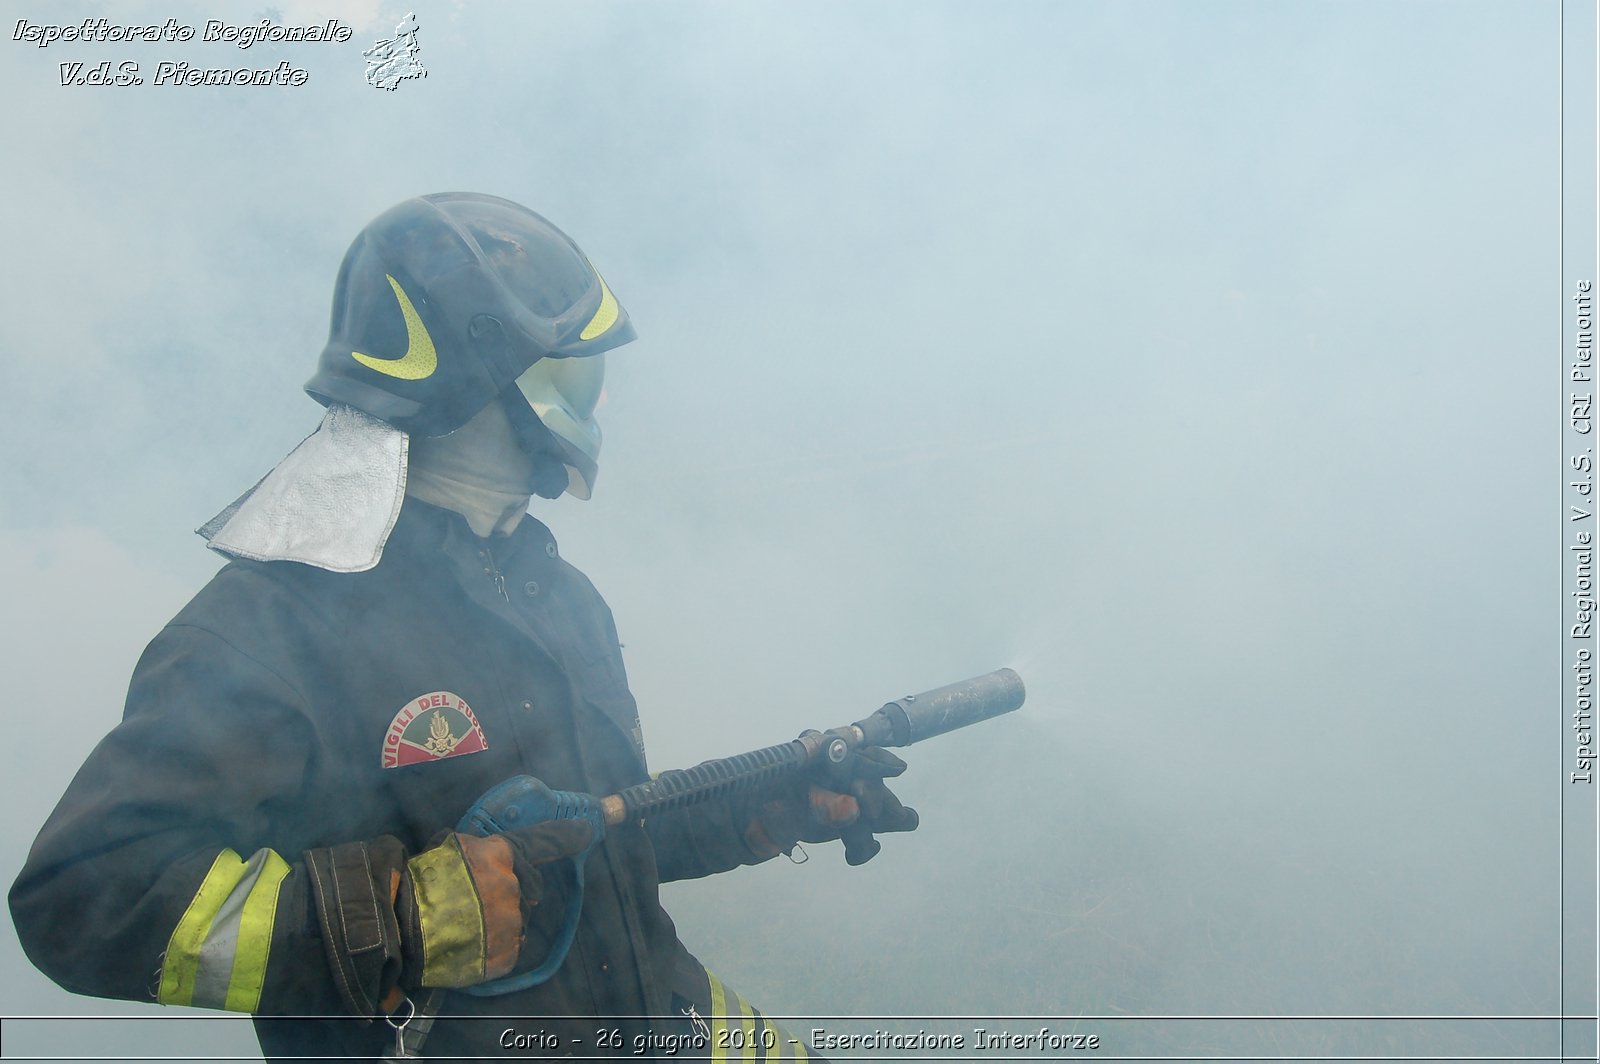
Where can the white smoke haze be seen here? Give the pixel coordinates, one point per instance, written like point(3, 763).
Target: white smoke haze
point(1190, 358)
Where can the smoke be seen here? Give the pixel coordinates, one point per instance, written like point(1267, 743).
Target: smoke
point(1175, 355)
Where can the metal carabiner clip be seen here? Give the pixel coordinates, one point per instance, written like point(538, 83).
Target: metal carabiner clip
point(400, 1051)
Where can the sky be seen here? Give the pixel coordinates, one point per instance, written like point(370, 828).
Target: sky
point(1193, 359)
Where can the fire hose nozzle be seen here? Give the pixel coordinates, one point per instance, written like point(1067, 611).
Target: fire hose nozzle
point(922, 716)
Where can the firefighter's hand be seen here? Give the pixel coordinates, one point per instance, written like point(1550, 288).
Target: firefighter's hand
point(452, 915)
point(851, 803)
point(464, 904)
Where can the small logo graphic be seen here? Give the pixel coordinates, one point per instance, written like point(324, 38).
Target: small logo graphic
point(420, 359)
point(432, 727)
point(700, 1029)
point(393, 61)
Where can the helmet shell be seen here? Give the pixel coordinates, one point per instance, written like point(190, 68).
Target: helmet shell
point(443, 301)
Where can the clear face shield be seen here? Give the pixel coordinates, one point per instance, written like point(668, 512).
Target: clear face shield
point(563, 393)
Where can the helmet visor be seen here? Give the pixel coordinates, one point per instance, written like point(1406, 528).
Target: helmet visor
point(564, 392)
point(574, 384)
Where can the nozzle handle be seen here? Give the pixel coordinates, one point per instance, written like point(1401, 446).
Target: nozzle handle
point(518, 802)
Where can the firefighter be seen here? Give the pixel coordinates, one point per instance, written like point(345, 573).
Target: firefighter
point(270, 828)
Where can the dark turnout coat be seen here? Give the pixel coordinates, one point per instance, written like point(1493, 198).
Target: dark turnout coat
point(287, 708)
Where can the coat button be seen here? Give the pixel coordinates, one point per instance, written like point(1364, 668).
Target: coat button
point(531, 588)
point(605, 967)
point(550, 549)
point(528, 706)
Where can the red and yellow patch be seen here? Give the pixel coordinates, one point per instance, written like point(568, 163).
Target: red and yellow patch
point(432, 727)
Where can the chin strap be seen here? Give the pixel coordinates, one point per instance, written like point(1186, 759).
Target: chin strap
point(549, 480)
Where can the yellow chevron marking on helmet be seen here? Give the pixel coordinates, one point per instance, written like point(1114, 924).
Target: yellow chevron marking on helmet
point(420, 359)
point(603, 318)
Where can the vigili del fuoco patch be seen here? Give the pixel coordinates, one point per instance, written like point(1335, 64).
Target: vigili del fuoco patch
point(432, 727)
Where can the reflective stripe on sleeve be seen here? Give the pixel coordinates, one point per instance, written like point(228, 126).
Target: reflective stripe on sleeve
point(217, 955)
point(454, 941)
point(747, 1027)
point(718, 1018)
point(755, 1039)
point(767, 1038)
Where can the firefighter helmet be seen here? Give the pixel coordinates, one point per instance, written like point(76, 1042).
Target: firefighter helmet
point(444, 301)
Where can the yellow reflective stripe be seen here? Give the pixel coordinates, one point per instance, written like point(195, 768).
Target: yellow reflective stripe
point(719, 1022)
point(182, 960)
point(770, 1039)
point(255, 937)
point(759, 1036)
point(747, 1023)
point(453, 937)
point(786, 1047)
point(603, 318)
point(747, 1045)
point(217, 955)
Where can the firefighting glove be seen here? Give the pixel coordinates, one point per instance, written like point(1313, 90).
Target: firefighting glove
point(452, 916)
point(849, 802)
